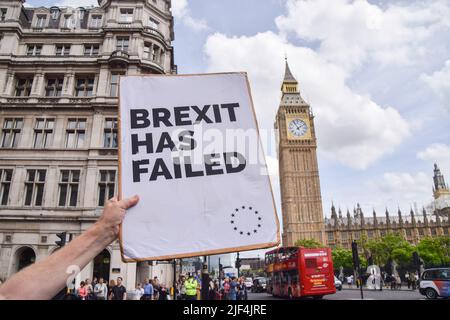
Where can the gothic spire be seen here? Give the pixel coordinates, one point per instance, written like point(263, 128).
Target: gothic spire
point(290, 84)
point(288, 77)
point(439, 181)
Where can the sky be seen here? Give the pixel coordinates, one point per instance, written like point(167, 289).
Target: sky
point(376, 74)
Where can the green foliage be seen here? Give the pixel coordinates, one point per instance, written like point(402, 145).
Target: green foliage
point(342, 258)
point(308, 243)
point(392, 246)
point(435, 251)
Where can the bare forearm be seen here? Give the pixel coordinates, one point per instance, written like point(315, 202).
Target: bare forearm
point(46, 277)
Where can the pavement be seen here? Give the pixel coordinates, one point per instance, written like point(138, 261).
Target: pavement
point(353, 294)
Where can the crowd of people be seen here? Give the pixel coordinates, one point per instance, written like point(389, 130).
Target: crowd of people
point(388, 281)
point(187, 288)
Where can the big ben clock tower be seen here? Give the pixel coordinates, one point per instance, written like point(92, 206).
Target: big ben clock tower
point(301, 201)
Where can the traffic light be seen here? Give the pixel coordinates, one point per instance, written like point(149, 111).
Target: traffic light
point(238, 263)
point(62, 242)
point(355, 254)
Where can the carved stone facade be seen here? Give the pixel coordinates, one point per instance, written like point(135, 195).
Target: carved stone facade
point(301, 201)
point(59, 71)
point(433, 221)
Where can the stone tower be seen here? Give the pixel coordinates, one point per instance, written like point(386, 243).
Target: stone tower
point(301, 200)
point(439, 188)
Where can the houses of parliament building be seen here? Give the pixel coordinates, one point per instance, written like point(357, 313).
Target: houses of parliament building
point(301, 200)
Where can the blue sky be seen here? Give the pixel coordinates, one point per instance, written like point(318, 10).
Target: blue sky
point(376, 73)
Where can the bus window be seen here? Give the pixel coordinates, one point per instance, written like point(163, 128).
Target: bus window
point(311, 263)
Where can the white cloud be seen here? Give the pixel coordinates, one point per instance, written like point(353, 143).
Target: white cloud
point(437, 153)
point(352, 32)
point(181, 11)
point(439, 82)
point(351, 128)
point(402, 189)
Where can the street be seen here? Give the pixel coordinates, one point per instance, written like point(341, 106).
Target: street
point(351, 294)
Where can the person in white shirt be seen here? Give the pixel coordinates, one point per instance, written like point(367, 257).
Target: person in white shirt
point(101, 290)
point(138, 292)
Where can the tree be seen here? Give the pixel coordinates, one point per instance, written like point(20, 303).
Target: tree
point(342, 258)
point(308, 243)
point(393, 246)
point(435, 251)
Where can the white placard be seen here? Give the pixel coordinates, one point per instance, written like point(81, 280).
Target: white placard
point(190, 148)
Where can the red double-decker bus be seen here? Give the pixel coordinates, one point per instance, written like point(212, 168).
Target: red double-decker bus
point(295, 272)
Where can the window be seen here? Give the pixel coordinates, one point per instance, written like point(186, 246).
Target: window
point(3, 12)
point(147, 50)
point(155, 53)
point(75, 133)
point(114, 84)
point(330, 237)
point(408, 232)
point(40, 21)
point(152, 23)
point(91, 49)
point(96, 21)
point(344, 236)
point(383, 233)
point(122, 43)
point(68, 188)
point(34, 187)
point(421, 231)
point(84, 86)
point(126, 15)
point(43, 133)
point(5, 184)
point(34, 49)
point(68, 21)
point(63, 50)
point(23, 86)
point(106, 186)
point(10, 132)
point(54, 86)
point(446, 231)
point(110, 133)
point(55, 13)
point(433, 231)
point(370, 234)
point(357, 235)
point(311, 263)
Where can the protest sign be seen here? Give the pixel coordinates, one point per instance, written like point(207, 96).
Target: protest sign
point(190, 148)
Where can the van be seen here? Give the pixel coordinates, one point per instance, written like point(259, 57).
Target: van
point(435, 283)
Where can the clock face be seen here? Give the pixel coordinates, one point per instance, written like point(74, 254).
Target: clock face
point(298, 127)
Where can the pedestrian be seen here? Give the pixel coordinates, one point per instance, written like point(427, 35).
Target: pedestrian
point(191, 287)
point(94, 240)
point(242, 290)
point(111, 285)
point(226, 289)
point(82, 291)
point(101, 290)
point(163, 292)
point(182, 288)
point(138, 292)
point(233, 289)
point(398, 282)
point(118, 292)
point(212, 289)
point(148, 291)
point(349, 281)
point(90, 289)
point(408, 280)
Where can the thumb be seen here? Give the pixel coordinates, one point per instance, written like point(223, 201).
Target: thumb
point(128, 203)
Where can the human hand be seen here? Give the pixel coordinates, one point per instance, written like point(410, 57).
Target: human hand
point(113, 214)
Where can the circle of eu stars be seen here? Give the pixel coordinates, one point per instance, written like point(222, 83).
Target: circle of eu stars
point(239, 212)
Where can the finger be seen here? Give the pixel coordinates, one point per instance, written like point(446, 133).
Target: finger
point(128, 203)
point(113, 199)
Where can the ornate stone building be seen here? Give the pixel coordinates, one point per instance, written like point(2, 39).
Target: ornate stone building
point(301, 201)
point(59, 71)
point(342, 229)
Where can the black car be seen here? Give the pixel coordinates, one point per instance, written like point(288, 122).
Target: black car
point(259, 285)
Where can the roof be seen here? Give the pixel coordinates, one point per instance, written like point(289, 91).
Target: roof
point(288, 77)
